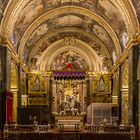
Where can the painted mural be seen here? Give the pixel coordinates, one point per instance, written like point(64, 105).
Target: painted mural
point(51, 24)
point(98, 47)
point(78, 21)
point(107, 10)
point(94, 43)
point(29, 13)
point(36, 35)
point(69, 60)
point(101, 33)
point(104, 8)
point(69, 20)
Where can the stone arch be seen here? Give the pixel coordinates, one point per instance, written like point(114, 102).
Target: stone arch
point(59, 47)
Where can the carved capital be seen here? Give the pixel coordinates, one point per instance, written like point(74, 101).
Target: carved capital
point(3, 40)
point(136, 39)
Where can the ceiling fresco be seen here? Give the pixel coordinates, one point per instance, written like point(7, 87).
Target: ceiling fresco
point(3, 4)
point(76, 21)
point(94, 43)
point(69, 60)
point(104, 8)
point(101, 52)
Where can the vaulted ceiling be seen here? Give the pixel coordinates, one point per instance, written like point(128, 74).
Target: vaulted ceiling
point(96, 31)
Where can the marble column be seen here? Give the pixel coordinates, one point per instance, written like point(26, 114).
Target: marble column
point(138, 78)
point(48, 90)
point(139, 103)
point(19, 117)
point(133, 86)
point(4, 82)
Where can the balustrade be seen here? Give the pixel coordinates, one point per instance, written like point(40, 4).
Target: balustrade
point(118, 129)
point(100, 129)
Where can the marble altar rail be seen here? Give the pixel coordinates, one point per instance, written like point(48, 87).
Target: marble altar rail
point(45, 132)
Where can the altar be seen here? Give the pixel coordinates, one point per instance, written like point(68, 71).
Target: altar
point(69, 96)
point(69, 123)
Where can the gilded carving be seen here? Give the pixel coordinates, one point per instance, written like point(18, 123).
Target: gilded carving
point(38, 89)
point(125, 92)
point(37, 100)
point(37, 84)
point(14, 90)
point(125, 108)
point(3, 40)
point(69, 40)
point(115, 83)
point(125, 76)
point(102, 83)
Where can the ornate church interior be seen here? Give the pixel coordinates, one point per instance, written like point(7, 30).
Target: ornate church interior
point(70, 69)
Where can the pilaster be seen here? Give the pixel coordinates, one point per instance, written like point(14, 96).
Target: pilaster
point(85, 96)
point(54, 98)
point(19, 95)
point(138, 78)
point(119, 95)
point(15, 105)
point(124, 112)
